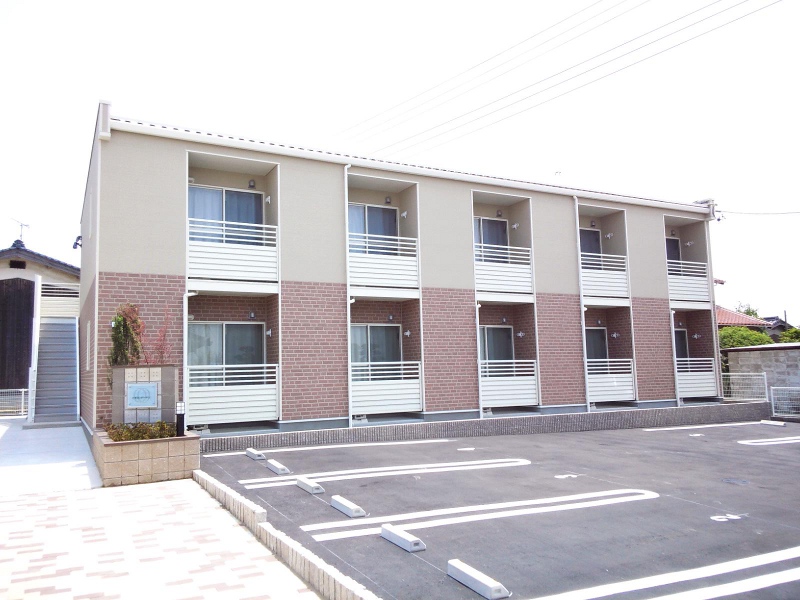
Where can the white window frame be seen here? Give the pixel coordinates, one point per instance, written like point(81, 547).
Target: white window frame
point(368, 325)
point(366, 221)
point(482, 219)
point(224, 323)
point(482, 336)
point(230, 189)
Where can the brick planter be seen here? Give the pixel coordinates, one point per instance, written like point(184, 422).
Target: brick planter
point(144, 461)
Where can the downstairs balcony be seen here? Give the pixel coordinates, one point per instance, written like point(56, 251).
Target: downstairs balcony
point(505, 383)
point(610, 380)
point(697, 377)
point(232, 393)
point(385, 387)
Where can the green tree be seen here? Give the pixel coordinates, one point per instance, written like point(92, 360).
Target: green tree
point(790, 335)
point(736, 337)
point(748, 310)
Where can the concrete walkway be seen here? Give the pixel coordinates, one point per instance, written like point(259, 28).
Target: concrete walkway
point(62, 537)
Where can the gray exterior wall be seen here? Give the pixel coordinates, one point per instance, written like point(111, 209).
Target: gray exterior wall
point(782, 365)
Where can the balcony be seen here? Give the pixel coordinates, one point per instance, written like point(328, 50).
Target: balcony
point(697, 377)
point(386, 261)
point(508, 383)
point(604, 275)
point(385, 387)
point(610, 380)
point(505, 269)
point(232, 393)
point(688, 281)
point(230, 251)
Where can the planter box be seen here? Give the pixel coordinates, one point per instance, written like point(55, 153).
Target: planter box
point(145, 461)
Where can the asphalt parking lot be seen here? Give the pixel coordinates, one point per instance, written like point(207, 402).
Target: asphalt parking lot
point(681, 512)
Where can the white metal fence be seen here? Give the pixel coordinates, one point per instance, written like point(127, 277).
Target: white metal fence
point(744, 386)
point(14, 402)
point(785, 401)
point(604, 275)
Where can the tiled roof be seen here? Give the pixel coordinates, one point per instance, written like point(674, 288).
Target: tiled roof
point(19, 251)
point(731, 318)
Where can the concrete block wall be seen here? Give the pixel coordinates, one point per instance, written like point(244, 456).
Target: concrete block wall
point(781, 365)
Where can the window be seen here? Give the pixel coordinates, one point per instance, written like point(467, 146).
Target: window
point(681, 344)
point(227, 216)
point(226, 344)
point(17, 264)
point(496, 343)
point(490, 232)
point(674, 253)
point(375, 343)
point(372, 220)
point(596, 343)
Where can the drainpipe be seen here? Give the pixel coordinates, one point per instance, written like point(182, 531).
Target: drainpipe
point(347, 280)
point(180, 426)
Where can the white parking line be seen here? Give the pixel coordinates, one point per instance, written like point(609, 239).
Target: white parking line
point(284, 480)
point(644, 583)
point(737, 587)
point(487, 512)
point(771, 441)
point(703, 426)
point(307, 448)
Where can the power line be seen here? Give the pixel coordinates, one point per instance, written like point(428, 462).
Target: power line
point(760, 214)
point(572, 39)
point(602, 77)
point(560, 73)
point(472, 68)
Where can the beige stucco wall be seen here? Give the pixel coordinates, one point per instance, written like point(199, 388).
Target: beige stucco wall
point(555, 244)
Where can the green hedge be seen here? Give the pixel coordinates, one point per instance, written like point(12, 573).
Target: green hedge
point(123, 432)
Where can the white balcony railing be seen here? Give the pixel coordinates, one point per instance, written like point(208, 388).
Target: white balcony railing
point(383, 261)
point(503, 269)
point(688, 281)
point(697, 377)
point(385, 387)
point(232, 251)
point(604, 275)
point(60, 299)
point(508, 383)
point(232, 393)
point(610, 380)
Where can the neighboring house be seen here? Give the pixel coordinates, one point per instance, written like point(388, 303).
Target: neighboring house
point(776, 326)
point(731, 318)
point(316, 290)
point(38, 328)
point(780, 362)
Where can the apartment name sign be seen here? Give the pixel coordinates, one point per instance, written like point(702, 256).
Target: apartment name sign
point(142, 395)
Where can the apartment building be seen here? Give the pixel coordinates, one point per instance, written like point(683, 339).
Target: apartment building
point(310, 290)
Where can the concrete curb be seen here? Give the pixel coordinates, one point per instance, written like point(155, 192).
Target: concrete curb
point(637, 418)
point(326, 580)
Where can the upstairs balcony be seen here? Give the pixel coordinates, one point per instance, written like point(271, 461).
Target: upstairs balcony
point(384, 261)
point(604, 275)
point(232, 393)
point(232, 251)
point(697, 377)
point(385, 387)
point(688, 281)
point(508, 383)
point(610, 380)
point(505, 269)
point(60, 299)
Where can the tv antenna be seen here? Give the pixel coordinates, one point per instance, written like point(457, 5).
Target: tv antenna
point(21, 226)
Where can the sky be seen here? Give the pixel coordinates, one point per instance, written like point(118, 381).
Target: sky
point(679, 100)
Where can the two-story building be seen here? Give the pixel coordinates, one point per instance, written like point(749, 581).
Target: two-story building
point(307, 289)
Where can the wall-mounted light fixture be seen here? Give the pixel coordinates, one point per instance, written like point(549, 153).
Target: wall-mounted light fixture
point(404, 214)
point(190, 317)
point(609, 235)
point(252, 315)
point(689, 243)
point(388, 200)
point(520, 334)
point(407, 333)
point(680, 323)
point(78, 243)
point(599, 321)
point(615, 335)
point(515, 226)
point(499, 213)
point(592, 224)
point(268, 199)
point(697, 336)
point(504, 320)
point(391, 317)
point(269, 332)
point(251, 184)
point(672, 232)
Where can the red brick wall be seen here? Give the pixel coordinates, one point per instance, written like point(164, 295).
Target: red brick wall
point(493, 314)
point(154, 295)
point(560, 342)
point(412, 345)
point(618, 320)
point(315, 379)
point(238, 308)
point(451, 349)
point(699, 321)
point(375, 312)
point(87, 377)
point(655, 374)
point(524, 347)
